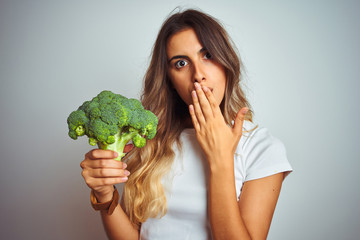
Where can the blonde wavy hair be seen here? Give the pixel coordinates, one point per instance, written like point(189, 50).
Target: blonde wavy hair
point(144, 195)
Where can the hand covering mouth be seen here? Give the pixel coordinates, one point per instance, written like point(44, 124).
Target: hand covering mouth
point(211, 89)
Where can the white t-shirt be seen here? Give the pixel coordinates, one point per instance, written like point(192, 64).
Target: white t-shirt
point(258, 155)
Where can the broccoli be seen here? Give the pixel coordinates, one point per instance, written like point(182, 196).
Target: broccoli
point(111, 120)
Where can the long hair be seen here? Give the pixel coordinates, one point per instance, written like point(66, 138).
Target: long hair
point(144, 194)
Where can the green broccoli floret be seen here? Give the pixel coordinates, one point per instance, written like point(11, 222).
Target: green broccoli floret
point(111, 120)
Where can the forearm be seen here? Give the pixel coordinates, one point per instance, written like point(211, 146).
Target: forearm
point(225, 218)
point(118, 225)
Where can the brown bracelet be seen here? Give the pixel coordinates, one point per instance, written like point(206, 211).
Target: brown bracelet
point(109, 206)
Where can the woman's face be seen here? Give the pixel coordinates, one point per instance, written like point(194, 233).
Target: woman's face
point(190, 62)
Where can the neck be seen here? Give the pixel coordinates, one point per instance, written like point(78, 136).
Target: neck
point(188, 123)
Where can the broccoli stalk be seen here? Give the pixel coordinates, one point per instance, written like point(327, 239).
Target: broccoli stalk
point(121, 139)
point(111, 120)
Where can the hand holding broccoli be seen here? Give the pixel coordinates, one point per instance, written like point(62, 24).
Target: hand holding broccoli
point(111, 120)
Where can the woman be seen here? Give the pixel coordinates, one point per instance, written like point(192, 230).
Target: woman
point(209, 173)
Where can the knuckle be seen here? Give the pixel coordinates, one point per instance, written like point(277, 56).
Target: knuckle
point(102, 172)
point(89, 183)
point(94, 154)
point(105, 181)
point(82, 164)
point(84, 174)
point(108, 181)
point(102, 163)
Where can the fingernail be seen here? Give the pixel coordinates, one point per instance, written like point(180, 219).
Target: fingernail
point(124, 179)
point(116, 154)
point(127, 173)
point(205, 89)
point(191, 108)
point(193, 93)
point(244, 111)
point(124, 165)
point(197, 85)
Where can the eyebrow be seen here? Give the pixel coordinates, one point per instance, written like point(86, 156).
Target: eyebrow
point(178, 56)
point(184, 56)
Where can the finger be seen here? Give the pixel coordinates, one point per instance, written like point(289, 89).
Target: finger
point(203, 101)
point(212, 101)
point(239, 120)
point(197, 109)
point(97, 182)
point(128, 147)
point(108, 173)
point(100, 153)
point(193, 118)
point(105, 163)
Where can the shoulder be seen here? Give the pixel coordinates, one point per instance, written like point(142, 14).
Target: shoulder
point(260, 152)
point(255, 136)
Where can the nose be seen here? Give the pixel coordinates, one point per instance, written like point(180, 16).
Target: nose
point(198, 72)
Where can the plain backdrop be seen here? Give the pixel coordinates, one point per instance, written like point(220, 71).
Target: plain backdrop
point(302, 79)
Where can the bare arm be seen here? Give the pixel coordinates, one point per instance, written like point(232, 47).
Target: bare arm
point(225, 218)
point(101, 172)
point(257, 204)
point(251, 217)
point(118, 225)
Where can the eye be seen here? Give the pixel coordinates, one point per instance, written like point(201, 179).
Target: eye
point(181, 63)
point(207, 55)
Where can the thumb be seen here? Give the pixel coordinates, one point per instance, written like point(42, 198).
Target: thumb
point(239, 120)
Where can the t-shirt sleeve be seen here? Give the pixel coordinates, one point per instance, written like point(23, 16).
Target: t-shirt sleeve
point(264, 155)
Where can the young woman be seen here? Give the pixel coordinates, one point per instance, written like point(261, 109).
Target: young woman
point(209, 173)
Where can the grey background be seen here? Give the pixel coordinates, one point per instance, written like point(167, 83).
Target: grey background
point(302, 60)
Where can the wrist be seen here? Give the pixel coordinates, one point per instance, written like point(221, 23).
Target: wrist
point(221, 164)
point(104, 196)
point(108, 206)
